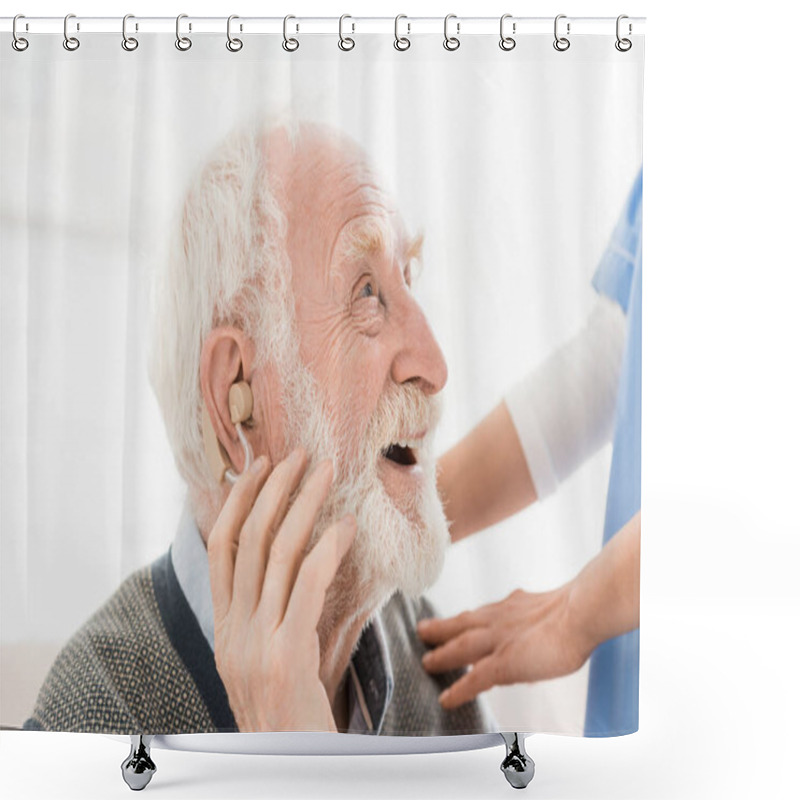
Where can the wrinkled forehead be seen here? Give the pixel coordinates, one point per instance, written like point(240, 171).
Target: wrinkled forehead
point(331, 195)
point(323, 172)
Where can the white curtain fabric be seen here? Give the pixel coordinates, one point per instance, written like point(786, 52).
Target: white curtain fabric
point(516, 166)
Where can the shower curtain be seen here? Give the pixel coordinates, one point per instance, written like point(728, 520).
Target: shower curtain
point(402, 267)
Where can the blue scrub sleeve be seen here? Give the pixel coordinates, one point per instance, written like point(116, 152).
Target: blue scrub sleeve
point(614, 274)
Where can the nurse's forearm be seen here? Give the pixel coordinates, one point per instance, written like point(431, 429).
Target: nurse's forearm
point(604, 599)
point(484, 478)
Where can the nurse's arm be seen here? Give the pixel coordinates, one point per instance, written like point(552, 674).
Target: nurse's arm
point(546, 426)
point(605, 595)
point(484, 478)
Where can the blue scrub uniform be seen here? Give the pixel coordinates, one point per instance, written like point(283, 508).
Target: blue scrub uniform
point(612, 706)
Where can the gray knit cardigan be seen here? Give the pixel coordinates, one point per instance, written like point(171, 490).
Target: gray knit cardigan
point(141, 664)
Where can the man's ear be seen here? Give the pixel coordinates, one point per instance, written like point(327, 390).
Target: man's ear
point(226, 358)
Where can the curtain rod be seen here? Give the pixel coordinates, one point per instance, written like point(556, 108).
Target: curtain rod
point(324, 25)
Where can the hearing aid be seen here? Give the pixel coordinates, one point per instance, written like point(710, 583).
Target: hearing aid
point(240, 405)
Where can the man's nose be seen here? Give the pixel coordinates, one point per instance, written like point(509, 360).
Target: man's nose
point(420, 359)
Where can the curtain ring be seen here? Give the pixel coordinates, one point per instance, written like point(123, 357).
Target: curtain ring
point(506, 42)
point(183, 43)
point(129, 43)
point(346, 42)
point(18, 42)
point(70, 42)
point(401, 42)
point(290, 45)
point(561, 43)
point(451, 42)
point(623, 45)
point(234, 45)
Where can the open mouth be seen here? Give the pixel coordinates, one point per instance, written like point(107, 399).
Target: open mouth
point(402, 452)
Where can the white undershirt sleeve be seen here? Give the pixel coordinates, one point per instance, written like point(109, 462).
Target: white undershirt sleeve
point(564, 409)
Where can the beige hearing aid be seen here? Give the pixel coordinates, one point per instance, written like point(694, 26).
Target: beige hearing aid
point(240, 404)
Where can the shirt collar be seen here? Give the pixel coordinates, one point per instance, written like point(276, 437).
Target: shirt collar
point(369, 675)
point(190, 561)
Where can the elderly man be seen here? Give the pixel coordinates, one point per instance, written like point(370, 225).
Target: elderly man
point(289, 358)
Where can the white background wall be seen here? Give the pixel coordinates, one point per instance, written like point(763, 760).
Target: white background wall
point(720, 604)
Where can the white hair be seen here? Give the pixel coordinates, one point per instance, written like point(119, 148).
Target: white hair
point(227, 264)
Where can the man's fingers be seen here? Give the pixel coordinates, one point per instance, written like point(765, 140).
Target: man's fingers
point(484, 675)
point(289, 545)
point(438, 631)
point(316, 574)
point(223, 540)
point(466, 648)
point(258, 529)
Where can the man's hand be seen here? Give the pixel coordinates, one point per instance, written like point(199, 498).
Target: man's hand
point(268, 596)
point(524, 638)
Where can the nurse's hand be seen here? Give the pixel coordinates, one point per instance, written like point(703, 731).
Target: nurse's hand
point(526, 637)
point(535, 636)
point(268, 595)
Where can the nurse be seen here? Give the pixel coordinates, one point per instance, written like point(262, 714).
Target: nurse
point(586, 393)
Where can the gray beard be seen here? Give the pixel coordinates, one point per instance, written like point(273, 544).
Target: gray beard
point(392, 551)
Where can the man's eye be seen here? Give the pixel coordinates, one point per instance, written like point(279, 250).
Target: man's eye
point(367, 290)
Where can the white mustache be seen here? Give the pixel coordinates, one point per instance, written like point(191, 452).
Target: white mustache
point(403, 411)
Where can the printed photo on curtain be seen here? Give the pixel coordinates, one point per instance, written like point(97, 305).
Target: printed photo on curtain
point(321, 383)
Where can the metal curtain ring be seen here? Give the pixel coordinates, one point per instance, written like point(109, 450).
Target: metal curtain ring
point(18, 42)
point(561, 43)
point(70, 42)
point(129, 43)
point(233, 44)
point(346, 42)
point(181, 42)
point(623, 45)
point(401, 42)
point(290, 45)
point(506, 42)
point(451, 42)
